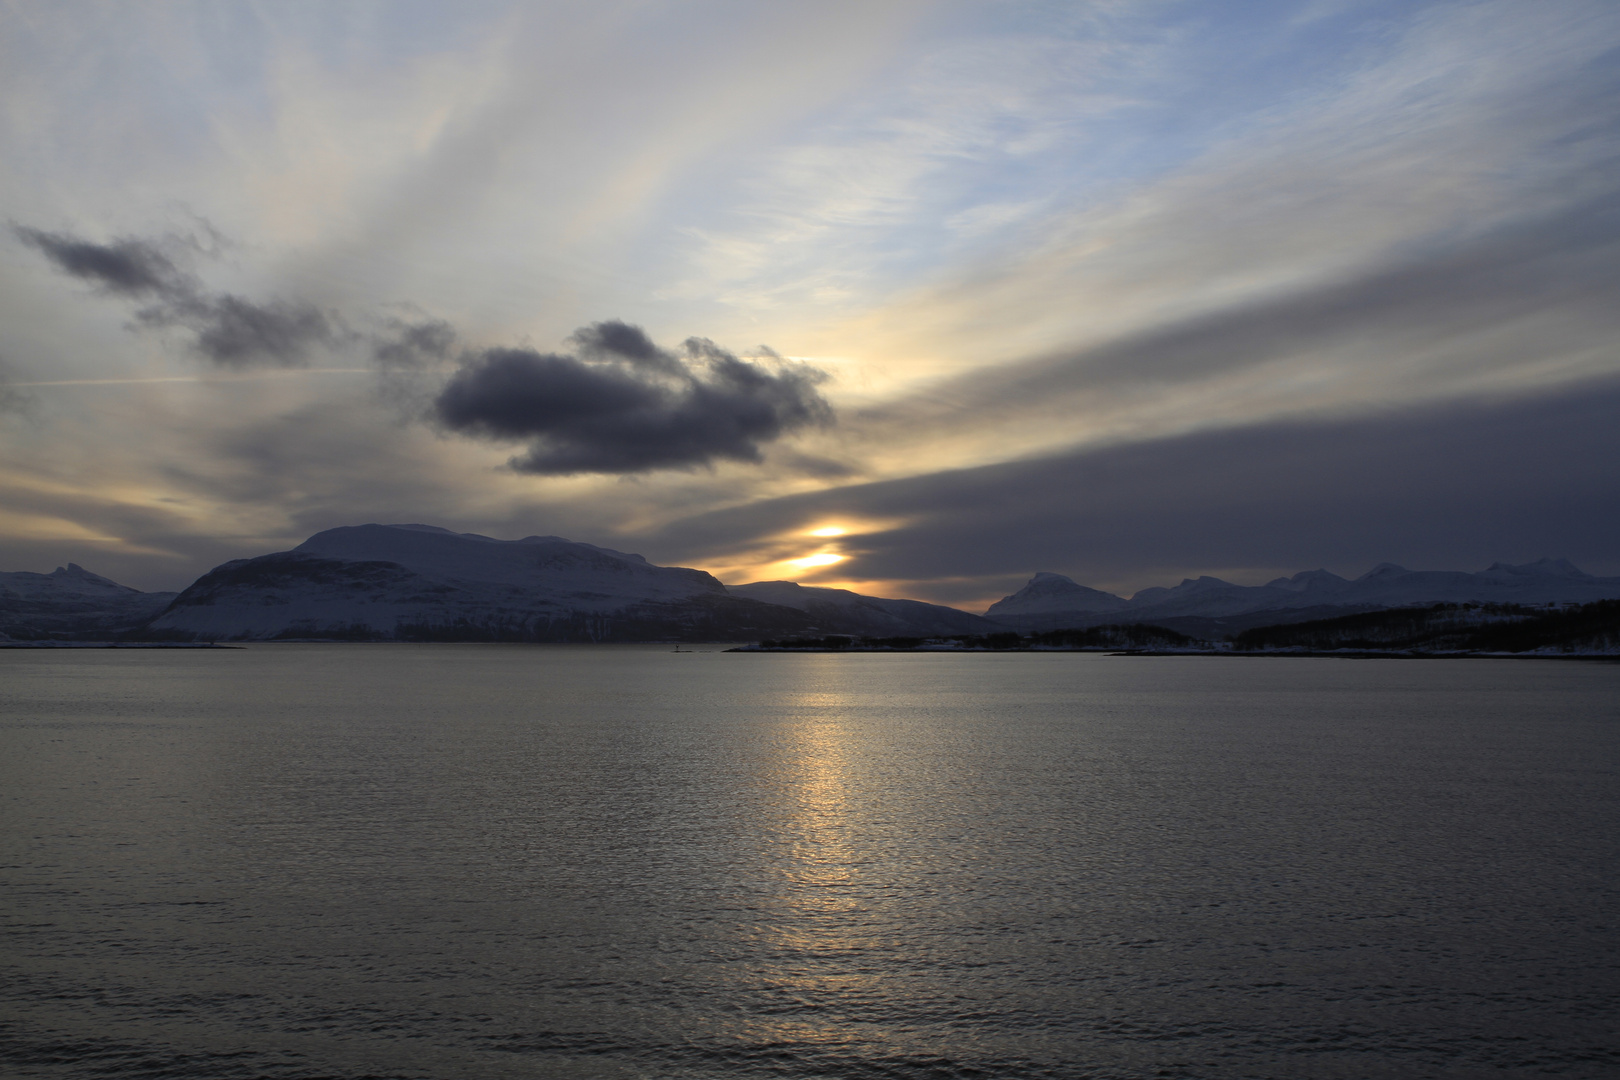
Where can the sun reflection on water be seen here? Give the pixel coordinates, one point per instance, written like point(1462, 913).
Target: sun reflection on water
point(819, 822)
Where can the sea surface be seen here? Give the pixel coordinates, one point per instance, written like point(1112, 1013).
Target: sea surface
point(443, 861)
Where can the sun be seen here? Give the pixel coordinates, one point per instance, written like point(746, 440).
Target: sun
point(829, 530)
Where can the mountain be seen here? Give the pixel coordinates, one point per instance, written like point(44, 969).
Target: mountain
point(1546, 581)
point(72, 604)
point(422, 583)
point(1050, 601)
point(844, 612)
point(1318, 583)
point(1207, 605)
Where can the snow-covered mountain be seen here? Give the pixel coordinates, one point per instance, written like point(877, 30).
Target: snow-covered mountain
point(843, 612)
point(1546, 581)
point(419, 582)
point(71, 603)
point(1051, 601)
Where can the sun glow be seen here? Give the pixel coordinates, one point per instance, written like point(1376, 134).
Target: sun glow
point(825, 558)
point(808, 550)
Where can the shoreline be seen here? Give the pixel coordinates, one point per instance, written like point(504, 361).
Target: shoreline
point(114, 645)
point(1360, 654)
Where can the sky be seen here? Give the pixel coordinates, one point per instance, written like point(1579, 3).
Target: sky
point(913, 297)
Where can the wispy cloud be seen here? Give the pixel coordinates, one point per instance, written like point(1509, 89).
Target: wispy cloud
point(962, 136)
point(229, 330)
point(1532, 303)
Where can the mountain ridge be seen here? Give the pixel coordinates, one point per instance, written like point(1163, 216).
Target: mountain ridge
point(1386, 585)
point(424, 582)
point(70, 603)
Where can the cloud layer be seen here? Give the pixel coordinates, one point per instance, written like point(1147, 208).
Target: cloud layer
point(1449, 486)
point(623, 405)
point(1125, 290)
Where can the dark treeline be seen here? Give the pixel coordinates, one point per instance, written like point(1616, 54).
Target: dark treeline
point(1433, 629)
point(1503, 628)
point(1132, 636)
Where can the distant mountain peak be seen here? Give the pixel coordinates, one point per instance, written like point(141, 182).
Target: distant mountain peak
point(71, 603)
point(75, 573)
point(1309, 581)
point(1204, 581)
point(1546, 567)
point(1048, 592)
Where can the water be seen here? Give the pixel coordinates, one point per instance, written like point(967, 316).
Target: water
point(487, 861)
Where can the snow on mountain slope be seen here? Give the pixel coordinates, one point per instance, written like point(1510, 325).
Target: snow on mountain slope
point(1052, 596)
point(1209, 597)
point(72, 603)
point(598, 577)
point(418, 582)
point(1052, 602)
point(844, 612)
point(1312, 582)
point(1547, 581)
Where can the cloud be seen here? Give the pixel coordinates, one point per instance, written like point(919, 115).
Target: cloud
point(1449, 486)
point(128, 267)
point(1517, 306)
point(228, 330)
point(1457, 121)
point(234, 332)
point(626, 406)
point(621, 405)
point(408, 345)
point(615, 339)
point(12, 399)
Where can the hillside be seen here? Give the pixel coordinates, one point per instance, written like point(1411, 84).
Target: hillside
point(72, 604)
point(421, 583)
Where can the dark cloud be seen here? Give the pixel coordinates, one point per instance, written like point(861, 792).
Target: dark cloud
point(615, 339)
point(228, 330)
point(234, 332)
point(626, 406)
point(622, 404)
point(129, 266)
point(1458, 486)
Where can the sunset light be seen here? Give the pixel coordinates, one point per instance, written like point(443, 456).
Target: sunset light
point(652, 532)
point(825, 558)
